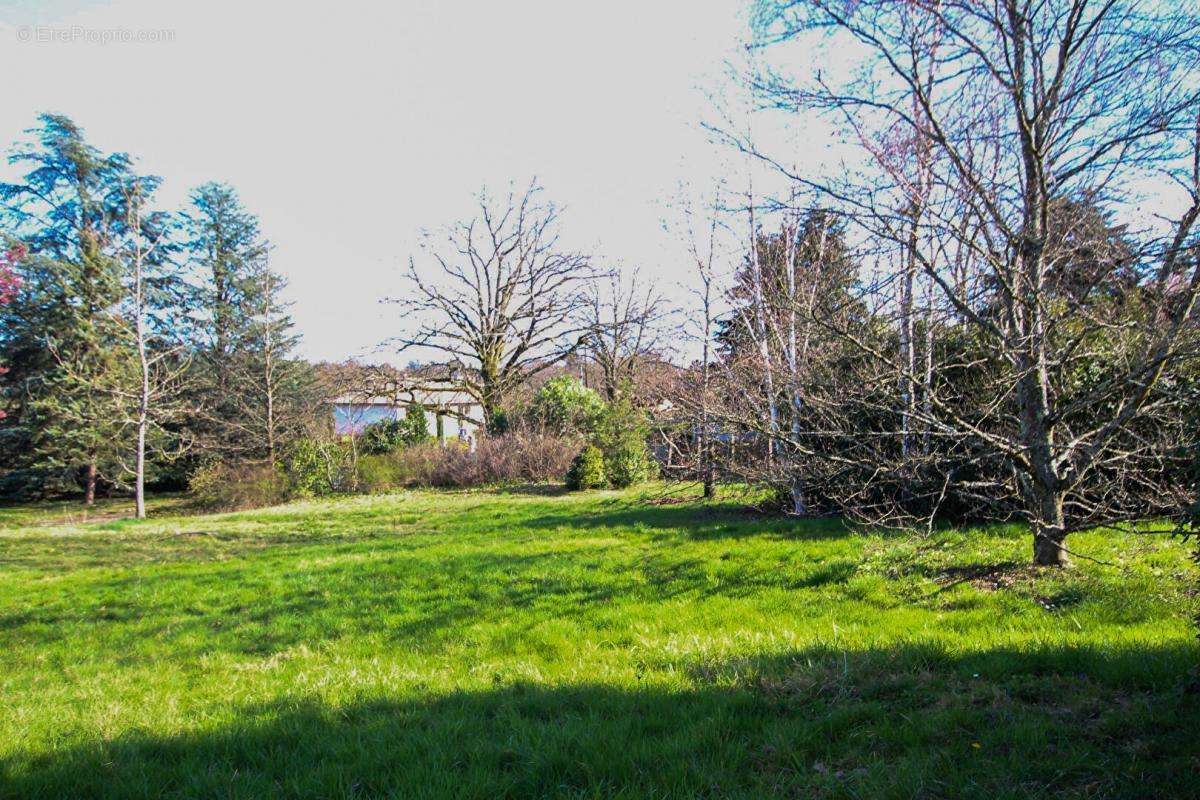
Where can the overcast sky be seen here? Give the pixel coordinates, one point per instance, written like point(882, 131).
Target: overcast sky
point(348, 127)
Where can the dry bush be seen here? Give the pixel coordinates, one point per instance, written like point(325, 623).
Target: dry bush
point(506, 459)
point(218, 486)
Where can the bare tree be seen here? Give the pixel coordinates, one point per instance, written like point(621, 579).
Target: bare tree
point(777, 356)
point(622, 318)
point(143, 374)
point(1016, 115)
point(497, 295)
point(758, 325)
point(160, 373)
point(703, 253)
point(270, 326)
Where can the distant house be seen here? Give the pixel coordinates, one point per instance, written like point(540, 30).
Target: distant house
point(450, 413)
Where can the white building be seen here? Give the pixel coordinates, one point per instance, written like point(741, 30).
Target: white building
point(450, 413)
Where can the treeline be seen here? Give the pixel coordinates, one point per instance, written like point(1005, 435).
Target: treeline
point(138, 342)
point(146, 346)
point(820, 393)
point(973, 316)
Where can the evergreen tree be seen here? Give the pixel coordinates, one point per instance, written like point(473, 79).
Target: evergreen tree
point(9, 282)
point(70, 210)
point(251, 392)
point(223, 246)
point(822, 268)
point(275, 390)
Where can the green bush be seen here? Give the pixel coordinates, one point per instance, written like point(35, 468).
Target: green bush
point(629, 462)
point(392, 434)
point(565, 406)
point(218, 486)
point(501, 423)
point(377, 473)
point(317, 467)
point(381, 437)
point(621, 435)
point(587, 470)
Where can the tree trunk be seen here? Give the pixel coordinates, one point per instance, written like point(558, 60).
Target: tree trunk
point(89, 492)
point(143, 418)
point(908, 354)
point(140, 480)
point(1049, 531)
point(706, 459)
point(491, 417)
point(799, 507)
point(489, 393)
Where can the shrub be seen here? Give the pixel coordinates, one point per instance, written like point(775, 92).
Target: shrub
point(501, 423)
point(381, 437)
point(621, 436)
point(377, 473)
point(218, 486)
point(391, 434)
point(410, 466)
point(565, 406)
point(512, 458)
point(317, 466)
point(629, 462)
point(587, 470)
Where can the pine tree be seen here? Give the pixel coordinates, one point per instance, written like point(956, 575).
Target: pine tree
point(274, 389)
point(69, 210)
point(223, 248)
point(249, 386)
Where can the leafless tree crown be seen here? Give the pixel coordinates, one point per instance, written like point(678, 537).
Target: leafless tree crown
point(497, 294)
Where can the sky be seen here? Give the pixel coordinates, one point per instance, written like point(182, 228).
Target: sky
point(349, 127)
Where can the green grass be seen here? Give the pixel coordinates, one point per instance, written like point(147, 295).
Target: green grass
point(488, 644)
point(72, 512)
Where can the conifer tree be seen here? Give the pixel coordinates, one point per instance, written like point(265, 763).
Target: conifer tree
point(248, 383)
point(69, 210)
point(223, 246)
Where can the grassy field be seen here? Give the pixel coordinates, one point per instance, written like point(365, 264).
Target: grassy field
point(528, 644)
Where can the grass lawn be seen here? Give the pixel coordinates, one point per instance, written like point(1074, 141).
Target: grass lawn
point(527, 644)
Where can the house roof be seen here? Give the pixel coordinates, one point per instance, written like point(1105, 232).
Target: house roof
point(404, 395)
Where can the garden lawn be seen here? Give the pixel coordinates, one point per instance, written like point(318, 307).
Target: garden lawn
point(605, 644)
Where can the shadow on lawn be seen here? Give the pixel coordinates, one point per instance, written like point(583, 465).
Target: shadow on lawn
point(532, 489)
point(696, 522)
point(903, 722)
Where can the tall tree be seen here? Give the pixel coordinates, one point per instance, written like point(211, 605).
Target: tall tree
point(1021, 107)
point(498, 295)
point(796, 284)
point(69, 209)
point(697, 392)
point(225, 252)
point(152, 326)
point(274, 391)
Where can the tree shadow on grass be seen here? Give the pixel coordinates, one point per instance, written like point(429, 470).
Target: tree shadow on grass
point(531, 489)
point(697, 522)
point(903, 722)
